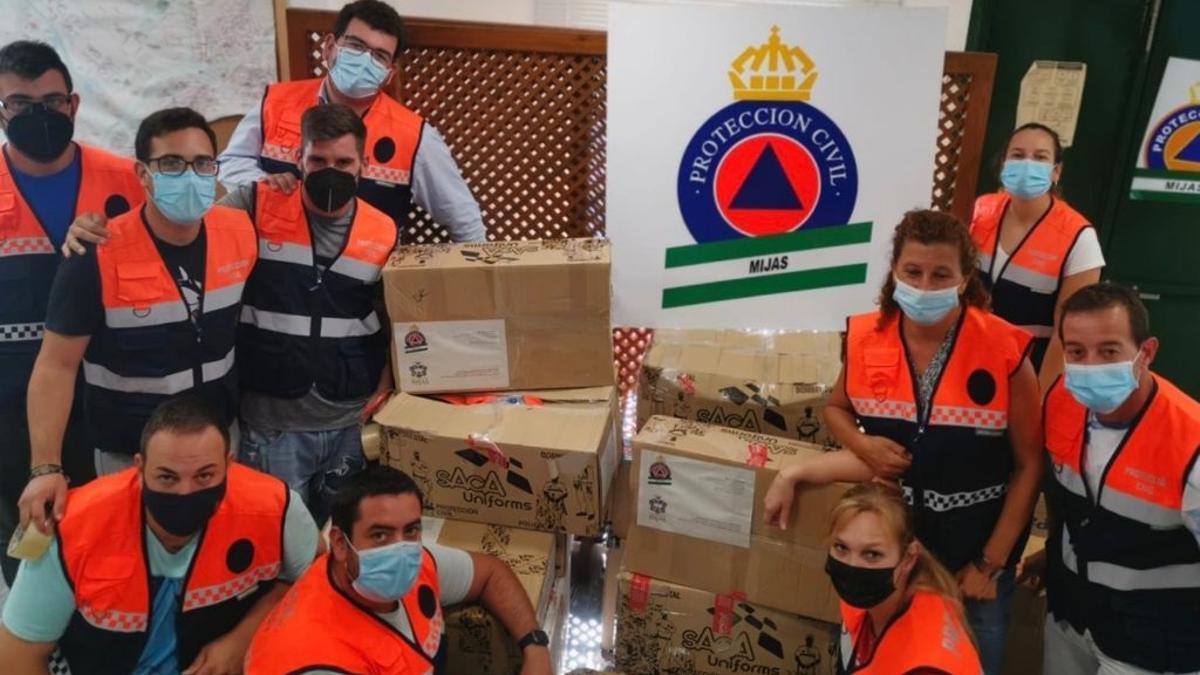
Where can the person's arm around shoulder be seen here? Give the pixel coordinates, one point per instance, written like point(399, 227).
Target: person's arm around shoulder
point(496, 587)
point(885, 457)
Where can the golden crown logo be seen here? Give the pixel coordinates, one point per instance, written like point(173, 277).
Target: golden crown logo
point(1194, 92)
point(778, 80)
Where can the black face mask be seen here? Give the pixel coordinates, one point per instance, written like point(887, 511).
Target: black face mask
point(330, 188)
point(183, 515)
point(860, 587)
point(41, 134)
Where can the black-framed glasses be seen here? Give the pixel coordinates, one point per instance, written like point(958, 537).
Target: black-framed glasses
point(174, 165)
point(353, 44)
point(19, 104)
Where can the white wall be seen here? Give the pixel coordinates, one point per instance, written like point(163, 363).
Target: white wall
point(590, 13)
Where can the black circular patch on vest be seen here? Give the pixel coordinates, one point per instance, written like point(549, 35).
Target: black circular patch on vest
point(239, 556)
point(385, 149)
point(981, 387)
point(427, 601)
point(115, 205)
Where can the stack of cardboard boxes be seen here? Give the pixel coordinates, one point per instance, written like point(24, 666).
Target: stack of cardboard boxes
point(512, 473)
point(704, 585)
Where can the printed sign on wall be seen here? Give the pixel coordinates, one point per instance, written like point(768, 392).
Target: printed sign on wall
point(760, 155)
point(1168, 167)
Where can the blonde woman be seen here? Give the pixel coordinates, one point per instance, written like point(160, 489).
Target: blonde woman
point(901, 610)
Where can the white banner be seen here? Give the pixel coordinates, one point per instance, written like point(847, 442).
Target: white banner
point(1168, 167)
point(759, 157)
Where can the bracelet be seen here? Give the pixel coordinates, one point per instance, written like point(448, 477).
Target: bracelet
point(45, 470)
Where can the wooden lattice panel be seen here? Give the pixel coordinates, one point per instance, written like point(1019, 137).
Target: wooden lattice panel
point(956, 91)
point(528, 131)
point(962, 119)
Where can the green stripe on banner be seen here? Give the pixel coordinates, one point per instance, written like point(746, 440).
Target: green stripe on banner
point(732, 289)
point(752, 247)
point(1166, 173)
point(1164, 196)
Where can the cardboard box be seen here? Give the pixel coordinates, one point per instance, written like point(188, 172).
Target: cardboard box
point(1024, 644)
point(621, 504)
point(500, 316)
point(771, 384)
point(541, 467)
point(476, 642)
point(699, 517)
point(665, 628)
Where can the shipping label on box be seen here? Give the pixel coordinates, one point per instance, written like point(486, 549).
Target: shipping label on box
point(665, 628)
point(777, 568)
point(491, 316)
point(476, 642)
point(699, 499)
point(542, 466)
point(451, 355)
point(775, 384)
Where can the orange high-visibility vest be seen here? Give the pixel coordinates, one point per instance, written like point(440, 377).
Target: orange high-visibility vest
point(1123, 563)
point(1025, 292)
point(962, 458)
point(302, 325)
point(28, 259)
point(928, 634)
point(103, 555)
point(316, 625)
point(149, 349)
point(393, 135)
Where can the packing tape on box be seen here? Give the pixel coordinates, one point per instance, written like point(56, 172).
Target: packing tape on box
point(372, 441)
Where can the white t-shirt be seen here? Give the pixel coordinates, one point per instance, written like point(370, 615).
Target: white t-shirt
point(1085, 255)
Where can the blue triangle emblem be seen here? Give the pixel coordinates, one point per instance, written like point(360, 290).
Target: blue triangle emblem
point(766, 186)
point(1191, 151)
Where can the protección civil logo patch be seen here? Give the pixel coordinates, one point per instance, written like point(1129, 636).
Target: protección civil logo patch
point(1169, 170)
point(760, 180)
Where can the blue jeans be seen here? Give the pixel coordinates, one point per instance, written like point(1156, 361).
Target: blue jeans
point(313, 463)
point(989, 623)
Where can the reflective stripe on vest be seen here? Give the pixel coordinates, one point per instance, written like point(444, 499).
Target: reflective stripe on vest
point(28, 258)
point(1026, 290)
point(102, 540)
point(303, 325)
point(1123, 564)
point(164, 385)
point(962, 457)
point(317, 626)
point(929, 634)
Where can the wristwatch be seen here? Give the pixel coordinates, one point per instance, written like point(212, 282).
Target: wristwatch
point(534, 637)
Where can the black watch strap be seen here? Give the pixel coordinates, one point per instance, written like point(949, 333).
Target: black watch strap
point(534, 637)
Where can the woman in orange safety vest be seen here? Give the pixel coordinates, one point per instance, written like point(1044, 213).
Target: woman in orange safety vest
point(901, 611)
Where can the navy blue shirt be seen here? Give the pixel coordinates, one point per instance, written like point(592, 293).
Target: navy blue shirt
point(52, 198)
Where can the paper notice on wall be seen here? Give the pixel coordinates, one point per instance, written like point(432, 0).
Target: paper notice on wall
point(1051, 94)
point(451, 355)
point(697, 499)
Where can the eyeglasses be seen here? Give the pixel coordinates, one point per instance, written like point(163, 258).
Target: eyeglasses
point(353, 44)
point(18, 104)
point(174, 165)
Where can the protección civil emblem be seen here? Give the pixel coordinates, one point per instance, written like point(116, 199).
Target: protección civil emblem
point(1169, 169)
point(771, 162)
point(763, 179)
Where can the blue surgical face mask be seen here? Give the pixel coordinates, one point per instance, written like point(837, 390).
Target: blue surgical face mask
point(1102, 387)
point(925, 307)
point(356, 74)
point(1027, 178)
point(184, 199)
point(387, 573)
